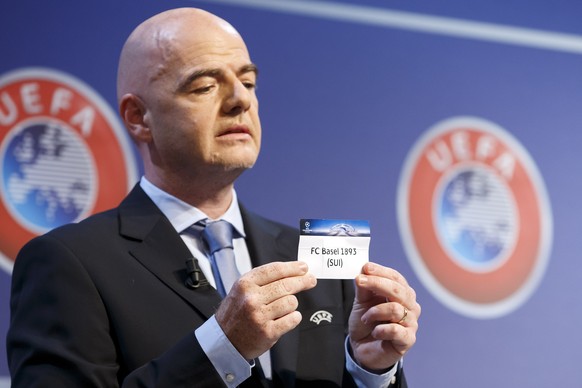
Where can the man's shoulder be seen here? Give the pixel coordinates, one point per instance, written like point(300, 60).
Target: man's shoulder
point(105, 221)
point(94, 229)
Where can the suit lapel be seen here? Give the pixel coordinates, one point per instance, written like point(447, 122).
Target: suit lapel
point(161, 250)
point(265, 245)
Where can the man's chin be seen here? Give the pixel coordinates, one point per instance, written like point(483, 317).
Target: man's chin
point(238, 167)
point(234, 162)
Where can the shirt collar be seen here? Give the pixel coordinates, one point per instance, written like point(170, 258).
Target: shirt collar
point(183, 215)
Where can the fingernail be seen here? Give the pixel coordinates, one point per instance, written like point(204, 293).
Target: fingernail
point(303, 266)
point(313, 280)
point(362, 279)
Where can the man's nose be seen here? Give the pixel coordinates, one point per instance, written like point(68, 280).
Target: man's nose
point(238, 99)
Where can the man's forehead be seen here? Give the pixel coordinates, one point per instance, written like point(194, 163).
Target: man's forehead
point(199, 42)
point(192, 23)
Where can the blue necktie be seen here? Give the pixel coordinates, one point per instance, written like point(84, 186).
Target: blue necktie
point(218, 236)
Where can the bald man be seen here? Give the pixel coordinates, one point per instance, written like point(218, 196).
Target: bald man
point(109, 301)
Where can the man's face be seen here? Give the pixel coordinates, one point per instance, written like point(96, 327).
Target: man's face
point(201, 103)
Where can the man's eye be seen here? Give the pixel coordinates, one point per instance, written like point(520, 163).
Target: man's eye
point(250, 85)
point(203, 89)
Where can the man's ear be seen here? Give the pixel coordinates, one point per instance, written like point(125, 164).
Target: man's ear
point(133, 113)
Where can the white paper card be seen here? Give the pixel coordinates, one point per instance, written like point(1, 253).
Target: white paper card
point(334, 249)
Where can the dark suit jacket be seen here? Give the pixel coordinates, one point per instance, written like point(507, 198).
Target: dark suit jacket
point(103, 303)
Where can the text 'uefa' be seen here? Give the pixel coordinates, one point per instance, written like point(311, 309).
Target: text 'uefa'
point(38, 99)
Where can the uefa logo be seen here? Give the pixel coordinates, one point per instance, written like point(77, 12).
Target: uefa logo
point(474, 217)
point(63, 155)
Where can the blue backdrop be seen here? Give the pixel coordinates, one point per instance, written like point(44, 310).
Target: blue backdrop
point(347, 89)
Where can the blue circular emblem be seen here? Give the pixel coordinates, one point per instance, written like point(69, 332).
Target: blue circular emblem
point(48, 175)
point(476, 219)
point(63, 155)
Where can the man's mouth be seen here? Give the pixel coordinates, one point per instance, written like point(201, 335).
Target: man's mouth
point(235, 130)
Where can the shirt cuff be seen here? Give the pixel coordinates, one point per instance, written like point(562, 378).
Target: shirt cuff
point(230, 365)
point(363, 378)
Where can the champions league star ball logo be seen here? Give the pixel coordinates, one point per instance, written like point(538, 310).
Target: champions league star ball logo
point(474, 217)
point(63, 156)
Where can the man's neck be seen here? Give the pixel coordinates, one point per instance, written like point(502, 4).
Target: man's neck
point(211, 197)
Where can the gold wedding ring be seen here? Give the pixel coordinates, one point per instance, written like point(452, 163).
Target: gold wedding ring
point(403, 315)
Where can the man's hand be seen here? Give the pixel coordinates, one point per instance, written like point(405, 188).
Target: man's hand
point(384, 319)
point(261, 306)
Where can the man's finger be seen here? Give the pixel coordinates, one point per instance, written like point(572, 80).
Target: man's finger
point(391, 290)
point(281, 307)
point(374, 269)
point(268, 273)
point(288, 286)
